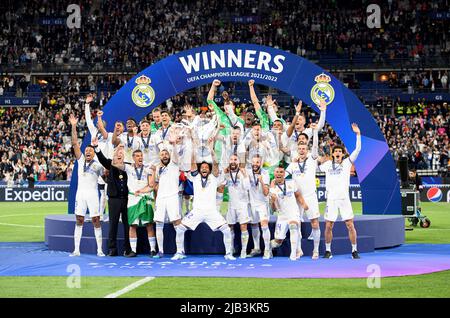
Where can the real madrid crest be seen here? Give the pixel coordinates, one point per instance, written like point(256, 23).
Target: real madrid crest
point(322, 89)
point(143, 94)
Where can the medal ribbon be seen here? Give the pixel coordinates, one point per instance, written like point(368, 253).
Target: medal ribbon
point(234, 180)
point(302, 167)
point(139, 173)
point(130, 144)
point(283, 190)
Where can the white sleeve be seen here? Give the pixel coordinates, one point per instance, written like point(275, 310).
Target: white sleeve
point(123, 138)
point(266, 178)
point(81, 160)
point(220, 179)
point(288, 170)
point(138, 143)
point(272, 114)
point(296, 188)
point(315, 146)
point(100, 168)
point(242, 148)
point(192, 175)
point(128, 169)
point(284, 139)
point(324, 166)
point(89, 122)
point(231, 114)
point(308, 131)
point(195, 121)
point(355, 152)
point(321, 122)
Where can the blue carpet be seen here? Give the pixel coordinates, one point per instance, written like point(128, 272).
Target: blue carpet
point(34, 259)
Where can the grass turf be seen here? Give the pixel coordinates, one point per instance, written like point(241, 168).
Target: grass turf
point(24, 222)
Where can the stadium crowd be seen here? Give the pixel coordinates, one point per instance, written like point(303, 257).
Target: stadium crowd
point(135, 34)
point(35, 141)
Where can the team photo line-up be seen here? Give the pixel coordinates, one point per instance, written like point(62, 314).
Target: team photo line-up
point(150, 172)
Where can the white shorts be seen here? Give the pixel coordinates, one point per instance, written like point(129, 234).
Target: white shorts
point(313, 207)
point(167, 208)
point(87, 200)
point(281, 228)
point(258, 213)
point(213, 218)
point(339, 206)
point(239, 215)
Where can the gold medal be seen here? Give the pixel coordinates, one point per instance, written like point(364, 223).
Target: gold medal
point(302, 175)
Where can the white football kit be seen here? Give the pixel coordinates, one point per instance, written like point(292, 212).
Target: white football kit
point(87, 189)
point(287, 207)
point(167, 199)
point(149, 150)
point(238, 185)
point(304, 174)
point(130, 144)
point(337, 183)
point(137, 179)
point(204, 206)
point(258, 201)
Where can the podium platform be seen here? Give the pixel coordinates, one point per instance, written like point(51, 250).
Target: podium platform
point(374, 232)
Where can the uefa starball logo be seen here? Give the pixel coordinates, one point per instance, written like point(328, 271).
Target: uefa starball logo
point(143, 94)
point(322, 90)
point(434, 194)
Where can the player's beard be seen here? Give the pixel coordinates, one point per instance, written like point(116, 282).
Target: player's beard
point(233, 166)
point(256, 168)
point(165, 161)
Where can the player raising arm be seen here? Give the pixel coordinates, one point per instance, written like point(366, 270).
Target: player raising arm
point(205, 179)
point(303, 170)
point(89, 171)
point(337, 183)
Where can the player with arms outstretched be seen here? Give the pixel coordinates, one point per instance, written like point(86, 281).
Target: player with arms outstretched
point(337, 185)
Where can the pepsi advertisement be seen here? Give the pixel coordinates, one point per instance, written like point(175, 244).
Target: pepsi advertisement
point(435, 193)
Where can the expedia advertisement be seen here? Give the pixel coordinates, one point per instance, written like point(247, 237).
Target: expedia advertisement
point(47, 194)
point(435, 193)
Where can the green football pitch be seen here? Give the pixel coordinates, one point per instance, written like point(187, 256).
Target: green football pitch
point(24, 222)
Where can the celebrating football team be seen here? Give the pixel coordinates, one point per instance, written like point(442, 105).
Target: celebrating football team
point(160, 171)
